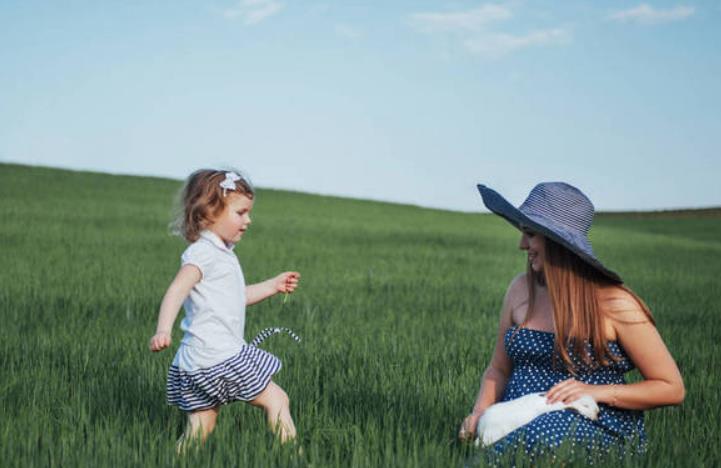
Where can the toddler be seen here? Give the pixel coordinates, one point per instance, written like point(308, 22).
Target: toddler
point(214, 365)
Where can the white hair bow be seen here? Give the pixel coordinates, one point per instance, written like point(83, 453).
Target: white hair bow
point(229, 182)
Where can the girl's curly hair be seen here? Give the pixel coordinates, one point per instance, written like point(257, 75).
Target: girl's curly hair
point(202, 199)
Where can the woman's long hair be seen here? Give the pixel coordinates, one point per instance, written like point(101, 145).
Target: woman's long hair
point(578, 315)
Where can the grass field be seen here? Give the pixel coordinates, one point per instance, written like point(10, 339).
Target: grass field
point(398, 309)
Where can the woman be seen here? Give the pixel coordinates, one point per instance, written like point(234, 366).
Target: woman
point(570, 327)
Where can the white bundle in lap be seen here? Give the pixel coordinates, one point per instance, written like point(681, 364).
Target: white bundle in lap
point(503, 418)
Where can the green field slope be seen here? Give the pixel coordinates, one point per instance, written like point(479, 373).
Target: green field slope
point(398, 308)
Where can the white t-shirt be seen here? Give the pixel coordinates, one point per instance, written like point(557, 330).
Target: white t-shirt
point(214, 320)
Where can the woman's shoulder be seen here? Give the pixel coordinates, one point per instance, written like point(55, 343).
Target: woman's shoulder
point(517, 291)
point(620, 304)
point(518, 285)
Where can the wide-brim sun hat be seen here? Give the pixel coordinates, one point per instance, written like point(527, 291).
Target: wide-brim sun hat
point(557, 210)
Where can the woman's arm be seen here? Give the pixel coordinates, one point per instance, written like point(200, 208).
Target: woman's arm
point(662, 384)
point(285, 282)
point(187, 277)
point(494, 379)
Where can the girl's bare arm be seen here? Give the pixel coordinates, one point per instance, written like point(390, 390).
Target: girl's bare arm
point(283, 283)
point(187, 277)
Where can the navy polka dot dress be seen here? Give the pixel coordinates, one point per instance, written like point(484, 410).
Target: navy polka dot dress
point(531, 352)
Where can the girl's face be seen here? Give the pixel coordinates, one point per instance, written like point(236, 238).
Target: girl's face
point(535, 245)
point(232, 223)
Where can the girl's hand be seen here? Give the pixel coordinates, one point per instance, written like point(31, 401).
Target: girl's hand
point(571, 390)
point(286, 282)
point(160, 341)
point(467, 432)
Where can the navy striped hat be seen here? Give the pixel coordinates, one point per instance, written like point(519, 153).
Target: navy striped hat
point(556, 210)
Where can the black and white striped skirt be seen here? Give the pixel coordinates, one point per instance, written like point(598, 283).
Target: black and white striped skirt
point(241, 377)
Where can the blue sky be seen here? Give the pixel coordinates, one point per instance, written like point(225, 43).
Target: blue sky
point(407, 101)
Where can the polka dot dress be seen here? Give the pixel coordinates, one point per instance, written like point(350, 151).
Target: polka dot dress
point(531, 352)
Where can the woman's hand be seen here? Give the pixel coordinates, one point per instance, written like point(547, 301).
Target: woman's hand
point(160, 341)
point(571, 390)
point(286, 282)
point(467, 432)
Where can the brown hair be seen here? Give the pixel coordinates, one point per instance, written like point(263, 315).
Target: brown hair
point(578, 315)
point(202, 199)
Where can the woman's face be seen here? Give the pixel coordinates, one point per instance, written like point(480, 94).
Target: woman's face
point(535, 245)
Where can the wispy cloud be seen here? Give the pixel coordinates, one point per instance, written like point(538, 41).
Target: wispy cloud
point(478, 31)
point(646, 14)
point(498, 44)
point(253, 11)
point(471, 20)
point(348, 32)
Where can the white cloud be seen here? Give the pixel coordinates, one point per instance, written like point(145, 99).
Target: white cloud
point(253, 11)
point(471, 20)
point(646, 14)
point(494, 45)
point(349, 32)
point(474, 28)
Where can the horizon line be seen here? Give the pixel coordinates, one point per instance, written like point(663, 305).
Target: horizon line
point(482, 210)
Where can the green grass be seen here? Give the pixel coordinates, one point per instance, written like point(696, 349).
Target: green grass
point(398, 308)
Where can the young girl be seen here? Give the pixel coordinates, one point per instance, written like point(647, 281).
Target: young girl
point(214, 365)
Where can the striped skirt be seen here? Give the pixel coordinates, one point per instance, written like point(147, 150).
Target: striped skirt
point(241, 377)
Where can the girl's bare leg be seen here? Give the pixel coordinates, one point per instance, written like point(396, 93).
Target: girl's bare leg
point(200, 424)
point(276, 404)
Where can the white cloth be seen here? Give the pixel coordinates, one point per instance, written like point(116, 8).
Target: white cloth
point(214, 321)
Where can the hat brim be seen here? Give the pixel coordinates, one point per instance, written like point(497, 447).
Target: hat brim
point(500, 206)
